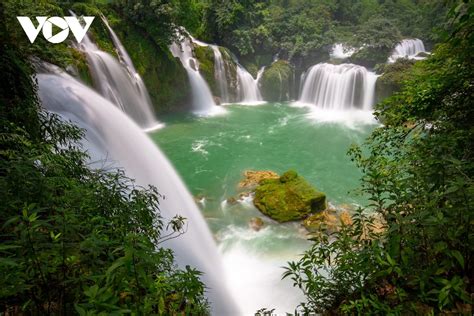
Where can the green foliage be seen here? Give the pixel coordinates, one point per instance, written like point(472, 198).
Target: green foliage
point(76, 239)
point(378, 36)
point(418, 174)
point(302, 31)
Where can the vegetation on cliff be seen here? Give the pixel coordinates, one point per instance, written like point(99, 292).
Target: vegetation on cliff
point(418, 177)
point(75, 240)
point(276, 82)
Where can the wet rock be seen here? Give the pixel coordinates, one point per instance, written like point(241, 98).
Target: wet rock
point(256, 223)
point(288, 198)
point(231, 200)
point(253, 177)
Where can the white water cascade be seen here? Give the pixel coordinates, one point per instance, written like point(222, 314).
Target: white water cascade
point(203, 102)
point(340, 51)
point(339, 87)
point(248, 87)
point(120, 83)
point(408, 48)
point(220, 73)
point(339, 93)
point(111, 137)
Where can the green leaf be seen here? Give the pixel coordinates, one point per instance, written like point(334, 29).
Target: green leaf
point(456, 254)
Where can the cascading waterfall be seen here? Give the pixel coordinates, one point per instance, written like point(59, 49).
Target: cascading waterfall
point(220, 73)
point(248, 87)
point(408, 48)
point(203, 102)
point(127, 61)
point(339, 87)
point(119, 83)
point(340, 51)
point(113, 138)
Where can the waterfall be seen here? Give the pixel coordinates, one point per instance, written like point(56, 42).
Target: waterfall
point(113, 138)
point(339, 87)
point(119, 83)
point(408, 48)
point(260, 74)
point(248, 87)
point(220, 73)
point(203, 102)
point(340, 51)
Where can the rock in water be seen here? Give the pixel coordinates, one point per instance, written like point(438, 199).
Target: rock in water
point(253, 178)
point(288, 198)
point(256, 223)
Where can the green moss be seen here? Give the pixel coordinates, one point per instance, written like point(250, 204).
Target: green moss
point(205, 56)
point(276, 81)
point(163, 74)
point(288, 198)
point(370, 56)
point(80, 63)
point(392, 78)
point(231, 72)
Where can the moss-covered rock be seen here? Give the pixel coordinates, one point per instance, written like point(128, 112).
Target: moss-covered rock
point(392, 78)
point(161, 72)
point(288, 198)
point(205, 57)
point(370, 56)
point(275, 84)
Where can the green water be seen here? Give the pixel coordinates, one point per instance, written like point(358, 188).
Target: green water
point(211, 154)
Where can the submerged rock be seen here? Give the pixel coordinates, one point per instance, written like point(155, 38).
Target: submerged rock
point(253, 178)
point(256, 223)
point(288, 198)
point(231, 200)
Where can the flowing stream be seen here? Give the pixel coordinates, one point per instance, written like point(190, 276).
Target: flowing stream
point(114, 140)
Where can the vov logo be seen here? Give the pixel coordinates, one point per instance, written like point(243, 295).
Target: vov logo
point(64, 24)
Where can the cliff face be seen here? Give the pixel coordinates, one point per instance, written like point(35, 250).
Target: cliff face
point(277, 80)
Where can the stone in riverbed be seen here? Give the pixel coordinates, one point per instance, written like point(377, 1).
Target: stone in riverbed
point(328, 221)
point(231, 200)
point(288, 198)
point(256, 223)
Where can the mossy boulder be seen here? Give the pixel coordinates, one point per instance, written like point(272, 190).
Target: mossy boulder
point(275, 84)
point(370, 56)
point(392, 77)
point(205, 57)
point(288, 198)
